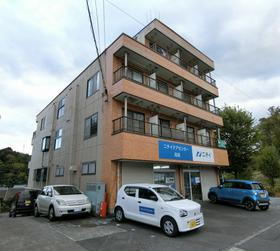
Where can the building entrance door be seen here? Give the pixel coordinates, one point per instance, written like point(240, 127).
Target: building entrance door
point(192, 185)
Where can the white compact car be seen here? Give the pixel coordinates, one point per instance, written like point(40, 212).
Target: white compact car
point(58, 200)
point(158, 205)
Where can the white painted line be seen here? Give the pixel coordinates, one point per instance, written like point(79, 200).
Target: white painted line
point(65, 235)
point(254, 235)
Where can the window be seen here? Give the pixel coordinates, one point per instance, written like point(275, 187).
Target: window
point(46, 144)
point(228, 185)
point(91, 124)
point(61, 106)
point(37, 174)
point(43, 124)
point(93, 84)
point(45, 172)
point(59, 171)
point(135, 121)
point(58, 139)
point(130, 191)
point(89, 168)
point(66, 190)
point(190, 134)
point(147, 194)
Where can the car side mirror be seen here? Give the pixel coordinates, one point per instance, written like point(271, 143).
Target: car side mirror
point(49, 194)
point(220, 186)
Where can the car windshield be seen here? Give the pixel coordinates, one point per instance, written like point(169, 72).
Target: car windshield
point(257, 186)
point(168, 194)
point(66, 190)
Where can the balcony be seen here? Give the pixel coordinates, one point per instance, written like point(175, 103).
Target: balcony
point(162, 87)
point(125, 124)
point(179, 61)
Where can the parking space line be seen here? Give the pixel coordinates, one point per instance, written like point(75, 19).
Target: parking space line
point(65, 235)
point(254, 235)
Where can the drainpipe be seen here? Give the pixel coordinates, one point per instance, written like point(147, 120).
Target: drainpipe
point(185, 125)
point(125, 112)
point(125, 64)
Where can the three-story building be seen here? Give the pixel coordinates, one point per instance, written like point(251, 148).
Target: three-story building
point(148, 116)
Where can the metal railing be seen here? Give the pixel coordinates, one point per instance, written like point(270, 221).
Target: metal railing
point(125, 124)
point(182, 63)
point(163, 87)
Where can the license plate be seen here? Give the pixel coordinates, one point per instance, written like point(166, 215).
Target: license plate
point(77, 209)
point(27, 202)
point(192, 224)
point(262, 195)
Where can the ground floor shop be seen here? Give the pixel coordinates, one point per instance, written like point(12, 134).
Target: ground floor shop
point(193, 181)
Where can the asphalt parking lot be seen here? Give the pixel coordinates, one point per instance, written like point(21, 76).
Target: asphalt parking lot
point(226, 228)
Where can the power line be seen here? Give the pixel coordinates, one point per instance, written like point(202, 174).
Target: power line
point(96, 47)
point(132, 17)
point(104, 25)
point(97, 23)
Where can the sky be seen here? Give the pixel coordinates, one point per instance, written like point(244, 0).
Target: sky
point(45, 44)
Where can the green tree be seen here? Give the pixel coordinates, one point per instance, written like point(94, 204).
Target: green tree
point(241, 138)
point(13, 167)
point(268, 163)
point(270, 128)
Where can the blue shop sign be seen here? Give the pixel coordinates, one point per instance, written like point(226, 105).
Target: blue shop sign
point(170, 150)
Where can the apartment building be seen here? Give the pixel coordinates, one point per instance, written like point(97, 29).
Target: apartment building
point(152, 120)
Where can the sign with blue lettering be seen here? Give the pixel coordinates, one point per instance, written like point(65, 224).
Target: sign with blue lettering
point(147, 210)
point(170, 150)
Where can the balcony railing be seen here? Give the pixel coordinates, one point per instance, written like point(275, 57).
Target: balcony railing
point(182, 63)
point(125, 124)
point(163, 87)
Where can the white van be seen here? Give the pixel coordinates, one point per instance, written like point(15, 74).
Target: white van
point(158, 205)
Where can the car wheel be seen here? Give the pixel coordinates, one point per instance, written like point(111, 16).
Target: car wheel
point(119, 215)
point(51, 215)
point(36, 211)
point(250, 205)
point(264, 208)
point(10, 214)
point(169, 226)
point(213, 198)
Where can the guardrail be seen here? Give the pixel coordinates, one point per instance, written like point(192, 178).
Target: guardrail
point(163, 87)
point(125, 124)
point(182, 63)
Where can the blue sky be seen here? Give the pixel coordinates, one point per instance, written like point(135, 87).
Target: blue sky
point(45, 44)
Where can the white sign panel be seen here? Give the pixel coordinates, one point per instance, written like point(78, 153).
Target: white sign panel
point(202, 154)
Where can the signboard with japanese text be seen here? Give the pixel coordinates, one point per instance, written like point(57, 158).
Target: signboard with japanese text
point(202, 154)
point(171, 150)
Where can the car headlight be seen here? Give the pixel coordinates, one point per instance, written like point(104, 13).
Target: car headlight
point(87, 201)
point(183, 213)
point(61, 202)
point(255, 193)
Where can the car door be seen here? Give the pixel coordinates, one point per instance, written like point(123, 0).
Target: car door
point(129, 202)
point(41, 200)
point(225, 192)
point(148, 206)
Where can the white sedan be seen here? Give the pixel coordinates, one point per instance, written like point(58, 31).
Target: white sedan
point(158, 205)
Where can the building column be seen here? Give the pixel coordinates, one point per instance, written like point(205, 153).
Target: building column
point(125, 112)
point(125, 64)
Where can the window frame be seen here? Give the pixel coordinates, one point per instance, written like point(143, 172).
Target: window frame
point(61, 107)
point(59, 171)
point(58, 138)
point(88, 164)
point(45, 147)
point(90, 135)
point(43, 123)
point(95, 85)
